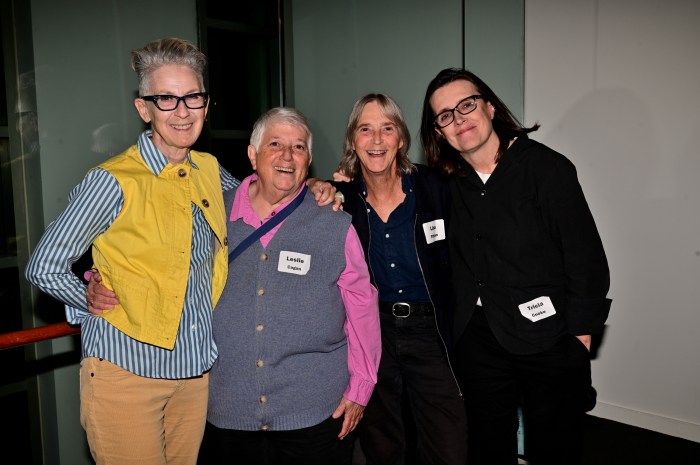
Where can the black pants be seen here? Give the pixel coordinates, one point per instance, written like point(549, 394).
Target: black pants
point(551, 386)
point(315, 445)
point(413, 362)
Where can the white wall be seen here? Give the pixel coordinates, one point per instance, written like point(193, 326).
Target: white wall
point(615, 87)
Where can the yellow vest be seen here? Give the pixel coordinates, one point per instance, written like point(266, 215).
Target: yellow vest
point(144, 256)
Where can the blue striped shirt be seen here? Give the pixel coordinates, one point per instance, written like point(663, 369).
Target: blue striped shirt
point(93, 205)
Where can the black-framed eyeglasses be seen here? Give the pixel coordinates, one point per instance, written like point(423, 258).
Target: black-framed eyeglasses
point(170, 102)
point(464, 107)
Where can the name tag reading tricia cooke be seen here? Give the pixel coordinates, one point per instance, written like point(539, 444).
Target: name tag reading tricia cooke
point(538, 309)
point(434, 231)
point(294, 262)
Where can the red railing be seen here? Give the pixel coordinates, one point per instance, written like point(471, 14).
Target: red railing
point(41, 333)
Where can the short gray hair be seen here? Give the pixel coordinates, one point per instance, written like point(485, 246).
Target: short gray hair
point(170, 51)
point(284, 115)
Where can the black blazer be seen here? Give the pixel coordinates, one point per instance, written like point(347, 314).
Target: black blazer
point(527, 233)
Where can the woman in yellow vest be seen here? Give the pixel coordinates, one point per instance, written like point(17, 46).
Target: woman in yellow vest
point(154, 217)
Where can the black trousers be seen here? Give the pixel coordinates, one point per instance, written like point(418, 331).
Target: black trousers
point(552, 387)
point(315, 445)
point(413, 363)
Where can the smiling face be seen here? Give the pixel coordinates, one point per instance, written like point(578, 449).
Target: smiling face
point(376, 141)
point(282, 163)
point(174, 132)
point(472, 134)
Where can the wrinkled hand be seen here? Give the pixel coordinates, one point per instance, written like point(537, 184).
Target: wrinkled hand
point(99, 299)
point(339, 176)
point(353, 414)
point(585, 340)
point(324, 193)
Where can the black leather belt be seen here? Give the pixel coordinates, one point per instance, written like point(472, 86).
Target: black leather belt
point(406, 309)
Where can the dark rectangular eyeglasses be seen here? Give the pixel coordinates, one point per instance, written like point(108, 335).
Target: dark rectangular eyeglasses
point(170, 102)
point(464, 107)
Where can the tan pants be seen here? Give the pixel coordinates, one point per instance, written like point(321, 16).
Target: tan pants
point(133, 420)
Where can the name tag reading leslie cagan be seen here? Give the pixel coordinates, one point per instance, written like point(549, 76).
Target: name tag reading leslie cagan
point(294, 262)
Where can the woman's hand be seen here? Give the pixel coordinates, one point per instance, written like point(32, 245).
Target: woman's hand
point(339, 176)
point(353, 414)
point(99, 299)
point(324, 193)
point(585, 340)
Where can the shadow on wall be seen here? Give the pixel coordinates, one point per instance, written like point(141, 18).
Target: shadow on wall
point(609, 136)
point(106, 140)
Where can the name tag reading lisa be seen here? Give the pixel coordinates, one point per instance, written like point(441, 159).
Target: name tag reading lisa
point(434, 231)
point(537, 309)
point(294, 262)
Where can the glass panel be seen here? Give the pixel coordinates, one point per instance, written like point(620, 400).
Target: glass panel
point(240, 70)
point(15, 430)
point(3, 92)
point(256, 13)
point(8, 245)
point(11, 360)
point(233, 155)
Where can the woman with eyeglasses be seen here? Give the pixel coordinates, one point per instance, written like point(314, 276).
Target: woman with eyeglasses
point(529, 272)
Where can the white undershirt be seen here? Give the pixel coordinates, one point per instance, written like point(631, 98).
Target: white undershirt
point(484, 177)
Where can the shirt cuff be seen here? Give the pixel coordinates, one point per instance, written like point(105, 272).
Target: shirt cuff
point(359, 391)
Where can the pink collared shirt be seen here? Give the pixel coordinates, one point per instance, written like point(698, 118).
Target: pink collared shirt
point(361, 305)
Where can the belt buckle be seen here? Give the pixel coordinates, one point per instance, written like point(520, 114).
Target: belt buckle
point(401, 309)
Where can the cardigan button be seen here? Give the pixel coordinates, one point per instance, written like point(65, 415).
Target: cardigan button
point(262, 399)
point(261, 291)
point(205, 202)
point(265, 428)
point(259, 363)
point(226, 241)
point(263, 256)
point(182, 172)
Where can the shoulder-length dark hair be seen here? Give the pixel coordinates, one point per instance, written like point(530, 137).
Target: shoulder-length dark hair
point(350, 163)
point(438, 153)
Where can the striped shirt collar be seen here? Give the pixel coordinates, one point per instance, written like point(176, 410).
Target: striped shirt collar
point(154, 158)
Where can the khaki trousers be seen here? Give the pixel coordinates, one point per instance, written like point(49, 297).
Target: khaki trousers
point(130, 419)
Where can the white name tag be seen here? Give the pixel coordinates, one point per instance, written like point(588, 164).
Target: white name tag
point(293, 262)
point(538, 309)
point(434, 231)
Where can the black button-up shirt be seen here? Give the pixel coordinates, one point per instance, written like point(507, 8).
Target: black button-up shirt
point(392, 254)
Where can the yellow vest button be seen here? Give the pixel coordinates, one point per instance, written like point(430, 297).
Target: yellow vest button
point(182, 172)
